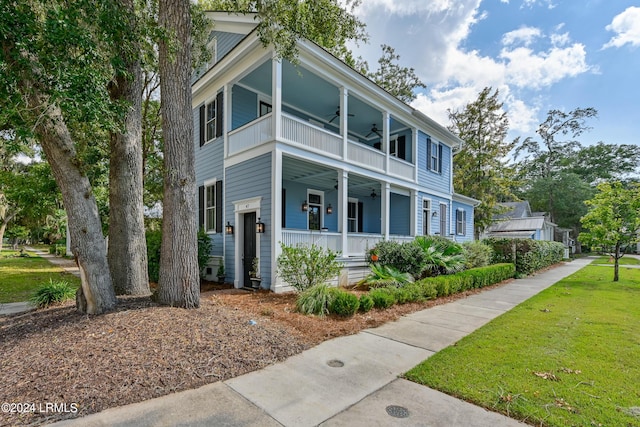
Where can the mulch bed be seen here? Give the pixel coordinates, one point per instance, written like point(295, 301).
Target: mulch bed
point(142, 350)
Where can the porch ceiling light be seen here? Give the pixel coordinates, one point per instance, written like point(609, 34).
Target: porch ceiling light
point(259, 226)
point(373, 194)
point(229, 228)
point(329, 209)
point(305, 206)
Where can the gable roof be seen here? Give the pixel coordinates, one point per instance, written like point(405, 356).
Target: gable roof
point(516, 210)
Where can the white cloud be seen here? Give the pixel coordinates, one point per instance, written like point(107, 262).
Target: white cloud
point(627, 27)
point(431, 38)
point(526, 68)
point(524, 35)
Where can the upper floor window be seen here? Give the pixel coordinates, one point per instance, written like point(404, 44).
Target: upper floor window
point(264, 108)
point(461, 222)
point(434, 156)
point(211, 119)
point(397, 147)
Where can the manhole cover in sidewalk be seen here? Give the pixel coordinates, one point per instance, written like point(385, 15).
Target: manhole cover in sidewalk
point(335, 363)
point(397, 411)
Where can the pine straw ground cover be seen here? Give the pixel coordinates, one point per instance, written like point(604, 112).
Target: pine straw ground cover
point(141, 350)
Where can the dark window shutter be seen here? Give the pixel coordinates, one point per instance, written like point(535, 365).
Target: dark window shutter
point(201, 206)
point(360, 216)
point(219, 114)
point(440, 158)
point(283, 210)
point(219, 207)
point(428, 153)
point(202, 125)
point(402, 151)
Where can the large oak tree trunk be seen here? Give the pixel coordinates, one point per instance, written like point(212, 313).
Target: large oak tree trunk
point(96, 294)
point(127, 252)
point(179, 282)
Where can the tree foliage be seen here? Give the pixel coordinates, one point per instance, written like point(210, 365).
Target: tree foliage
point(480, 168)
point(613, 220)
point(398, 80)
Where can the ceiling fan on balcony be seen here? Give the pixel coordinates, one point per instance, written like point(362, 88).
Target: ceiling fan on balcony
point(374, 130)
point(337, 114)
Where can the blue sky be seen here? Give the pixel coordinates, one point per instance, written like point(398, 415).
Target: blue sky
point(540, 54)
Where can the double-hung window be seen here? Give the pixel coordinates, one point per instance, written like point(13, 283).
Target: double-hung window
point(210, 208)
point(461, 222)
point(352, 215)
point(426, 217)
point(434, 156)
point(211, 119)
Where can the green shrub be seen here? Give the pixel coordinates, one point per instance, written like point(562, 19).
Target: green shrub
point(385, 275)
point(205, 245)
point(366, 303)
point(154, 242)
point(477, 254)
point(53, 292)
point(427, 289)
point(315, 300)
point(441, 256)
point(382, 297)
point(154, 239)
point(405, 257)
point(306, 266)
point(528, 255)
point(344, 303)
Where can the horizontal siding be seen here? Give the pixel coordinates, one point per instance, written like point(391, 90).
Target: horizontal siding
point(468, 234)
point(428, 178)
point(244, 106)
point(400, 215)
point(244, 181)
point(226, 42)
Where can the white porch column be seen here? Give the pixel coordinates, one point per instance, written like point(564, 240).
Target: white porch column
point(385, 139)
point(276, 96)
point(386, 209)
point(344, 117)
point(414, 152)
point(276, 212)
point(415, 210)
point(227, 106)
point(343, 203)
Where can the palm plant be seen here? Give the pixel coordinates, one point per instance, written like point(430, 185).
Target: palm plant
point(385, 275)
point(442, 256)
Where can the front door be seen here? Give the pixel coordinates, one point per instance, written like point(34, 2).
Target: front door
point(249, 246)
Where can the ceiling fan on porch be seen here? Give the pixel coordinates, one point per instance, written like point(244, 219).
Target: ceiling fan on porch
point(374, 130)
point(337, 114)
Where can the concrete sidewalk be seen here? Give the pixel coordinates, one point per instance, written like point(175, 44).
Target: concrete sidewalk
point(350, 380)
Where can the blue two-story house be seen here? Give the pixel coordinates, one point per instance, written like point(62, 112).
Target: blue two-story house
point(312, 152)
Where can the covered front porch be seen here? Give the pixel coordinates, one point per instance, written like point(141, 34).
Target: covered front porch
point(341, 211)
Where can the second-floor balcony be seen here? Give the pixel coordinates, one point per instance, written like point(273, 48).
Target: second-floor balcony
point(307, 115)
point(303, 134)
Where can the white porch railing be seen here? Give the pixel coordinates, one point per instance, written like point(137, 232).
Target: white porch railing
point(401, 168)
point(250, 135)
point(301, 132)
point(365, 156)
point(323, 239)
point(358, 244)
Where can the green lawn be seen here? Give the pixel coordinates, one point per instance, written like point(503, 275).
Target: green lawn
point(625, 260)
point(20, 277)
point(568, 356)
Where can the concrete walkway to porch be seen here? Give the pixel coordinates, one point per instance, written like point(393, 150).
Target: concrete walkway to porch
point(350, 380)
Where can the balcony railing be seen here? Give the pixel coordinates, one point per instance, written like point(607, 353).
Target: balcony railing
point(251, 135)
point(296, 131)
point(300, 132)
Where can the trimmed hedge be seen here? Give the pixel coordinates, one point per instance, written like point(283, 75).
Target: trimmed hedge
point(530, 255)
point(442, 286)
